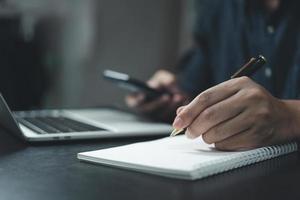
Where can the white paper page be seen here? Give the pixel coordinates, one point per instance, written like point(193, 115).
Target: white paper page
point(171, 153)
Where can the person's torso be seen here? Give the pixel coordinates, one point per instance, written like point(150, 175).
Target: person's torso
point(242, 31)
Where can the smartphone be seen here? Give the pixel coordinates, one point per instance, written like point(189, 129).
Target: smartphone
point(132, 84)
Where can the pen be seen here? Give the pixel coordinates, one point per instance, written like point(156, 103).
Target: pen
point(248, 69)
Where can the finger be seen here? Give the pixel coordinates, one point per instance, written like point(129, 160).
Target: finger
point(134, 100)
point(202, 101)
point(228, 128)
point(153, 83)
point(179, 109)
point(206, 99)
point(189, 135)
point(161, 79)
point(242, 141)
point(152, 106)
point(217, 113)
point(181, 100)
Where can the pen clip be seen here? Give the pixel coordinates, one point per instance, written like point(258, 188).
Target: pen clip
point(250, 67)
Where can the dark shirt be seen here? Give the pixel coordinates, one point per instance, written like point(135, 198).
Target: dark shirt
point(228, 33)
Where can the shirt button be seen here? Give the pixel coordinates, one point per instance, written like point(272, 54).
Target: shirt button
point(268, 72)
point(270, 29)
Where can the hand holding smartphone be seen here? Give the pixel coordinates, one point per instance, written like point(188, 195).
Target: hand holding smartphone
point(132, 84)
point(158, 104)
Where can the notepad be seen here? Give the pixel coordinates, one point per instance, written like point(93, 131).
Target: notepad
point(179, 157)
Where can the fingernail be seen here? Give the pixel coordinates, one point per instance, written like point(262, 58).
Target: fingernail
point(178, 123)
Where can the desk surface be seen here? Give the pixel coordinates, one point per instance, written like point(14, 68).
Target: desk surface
point(51, 171)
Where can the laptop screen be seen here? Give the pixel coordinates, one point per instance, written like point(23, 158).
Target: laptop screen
point(7, 120)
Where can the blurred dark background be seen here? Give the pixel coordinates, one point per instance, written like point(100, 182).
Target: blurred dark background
point(53, 51)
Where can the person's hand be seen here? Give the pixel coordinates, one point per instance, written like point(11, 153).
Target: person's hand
point(164, 107)
point(237, 114)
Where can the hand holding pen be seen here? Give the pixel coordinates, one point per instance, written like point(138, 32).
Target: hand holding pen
point(236, 114)
point(248, 69)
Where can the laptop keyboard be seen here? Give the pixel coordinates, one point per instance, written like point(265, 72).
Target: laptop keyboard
point(48, 125)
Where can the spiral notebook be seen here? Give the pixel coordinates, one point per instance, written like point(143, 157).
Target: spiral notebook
point(179, 157)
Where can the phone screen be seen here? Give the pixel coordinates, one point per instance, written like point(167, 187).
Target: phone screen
point(131, 84)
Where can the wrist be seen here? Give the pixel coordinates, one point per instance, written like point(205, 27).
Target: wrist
point(291, 124)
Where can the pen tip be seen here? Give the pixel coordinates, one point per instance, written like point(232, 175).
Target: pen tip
point(176, 132)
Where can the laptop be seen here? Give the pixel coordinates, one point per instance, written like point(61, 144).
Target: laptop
point(72, 124)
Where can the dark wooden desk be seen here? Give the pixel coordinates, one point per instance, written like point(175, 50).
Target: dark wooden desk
point(51, 171)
